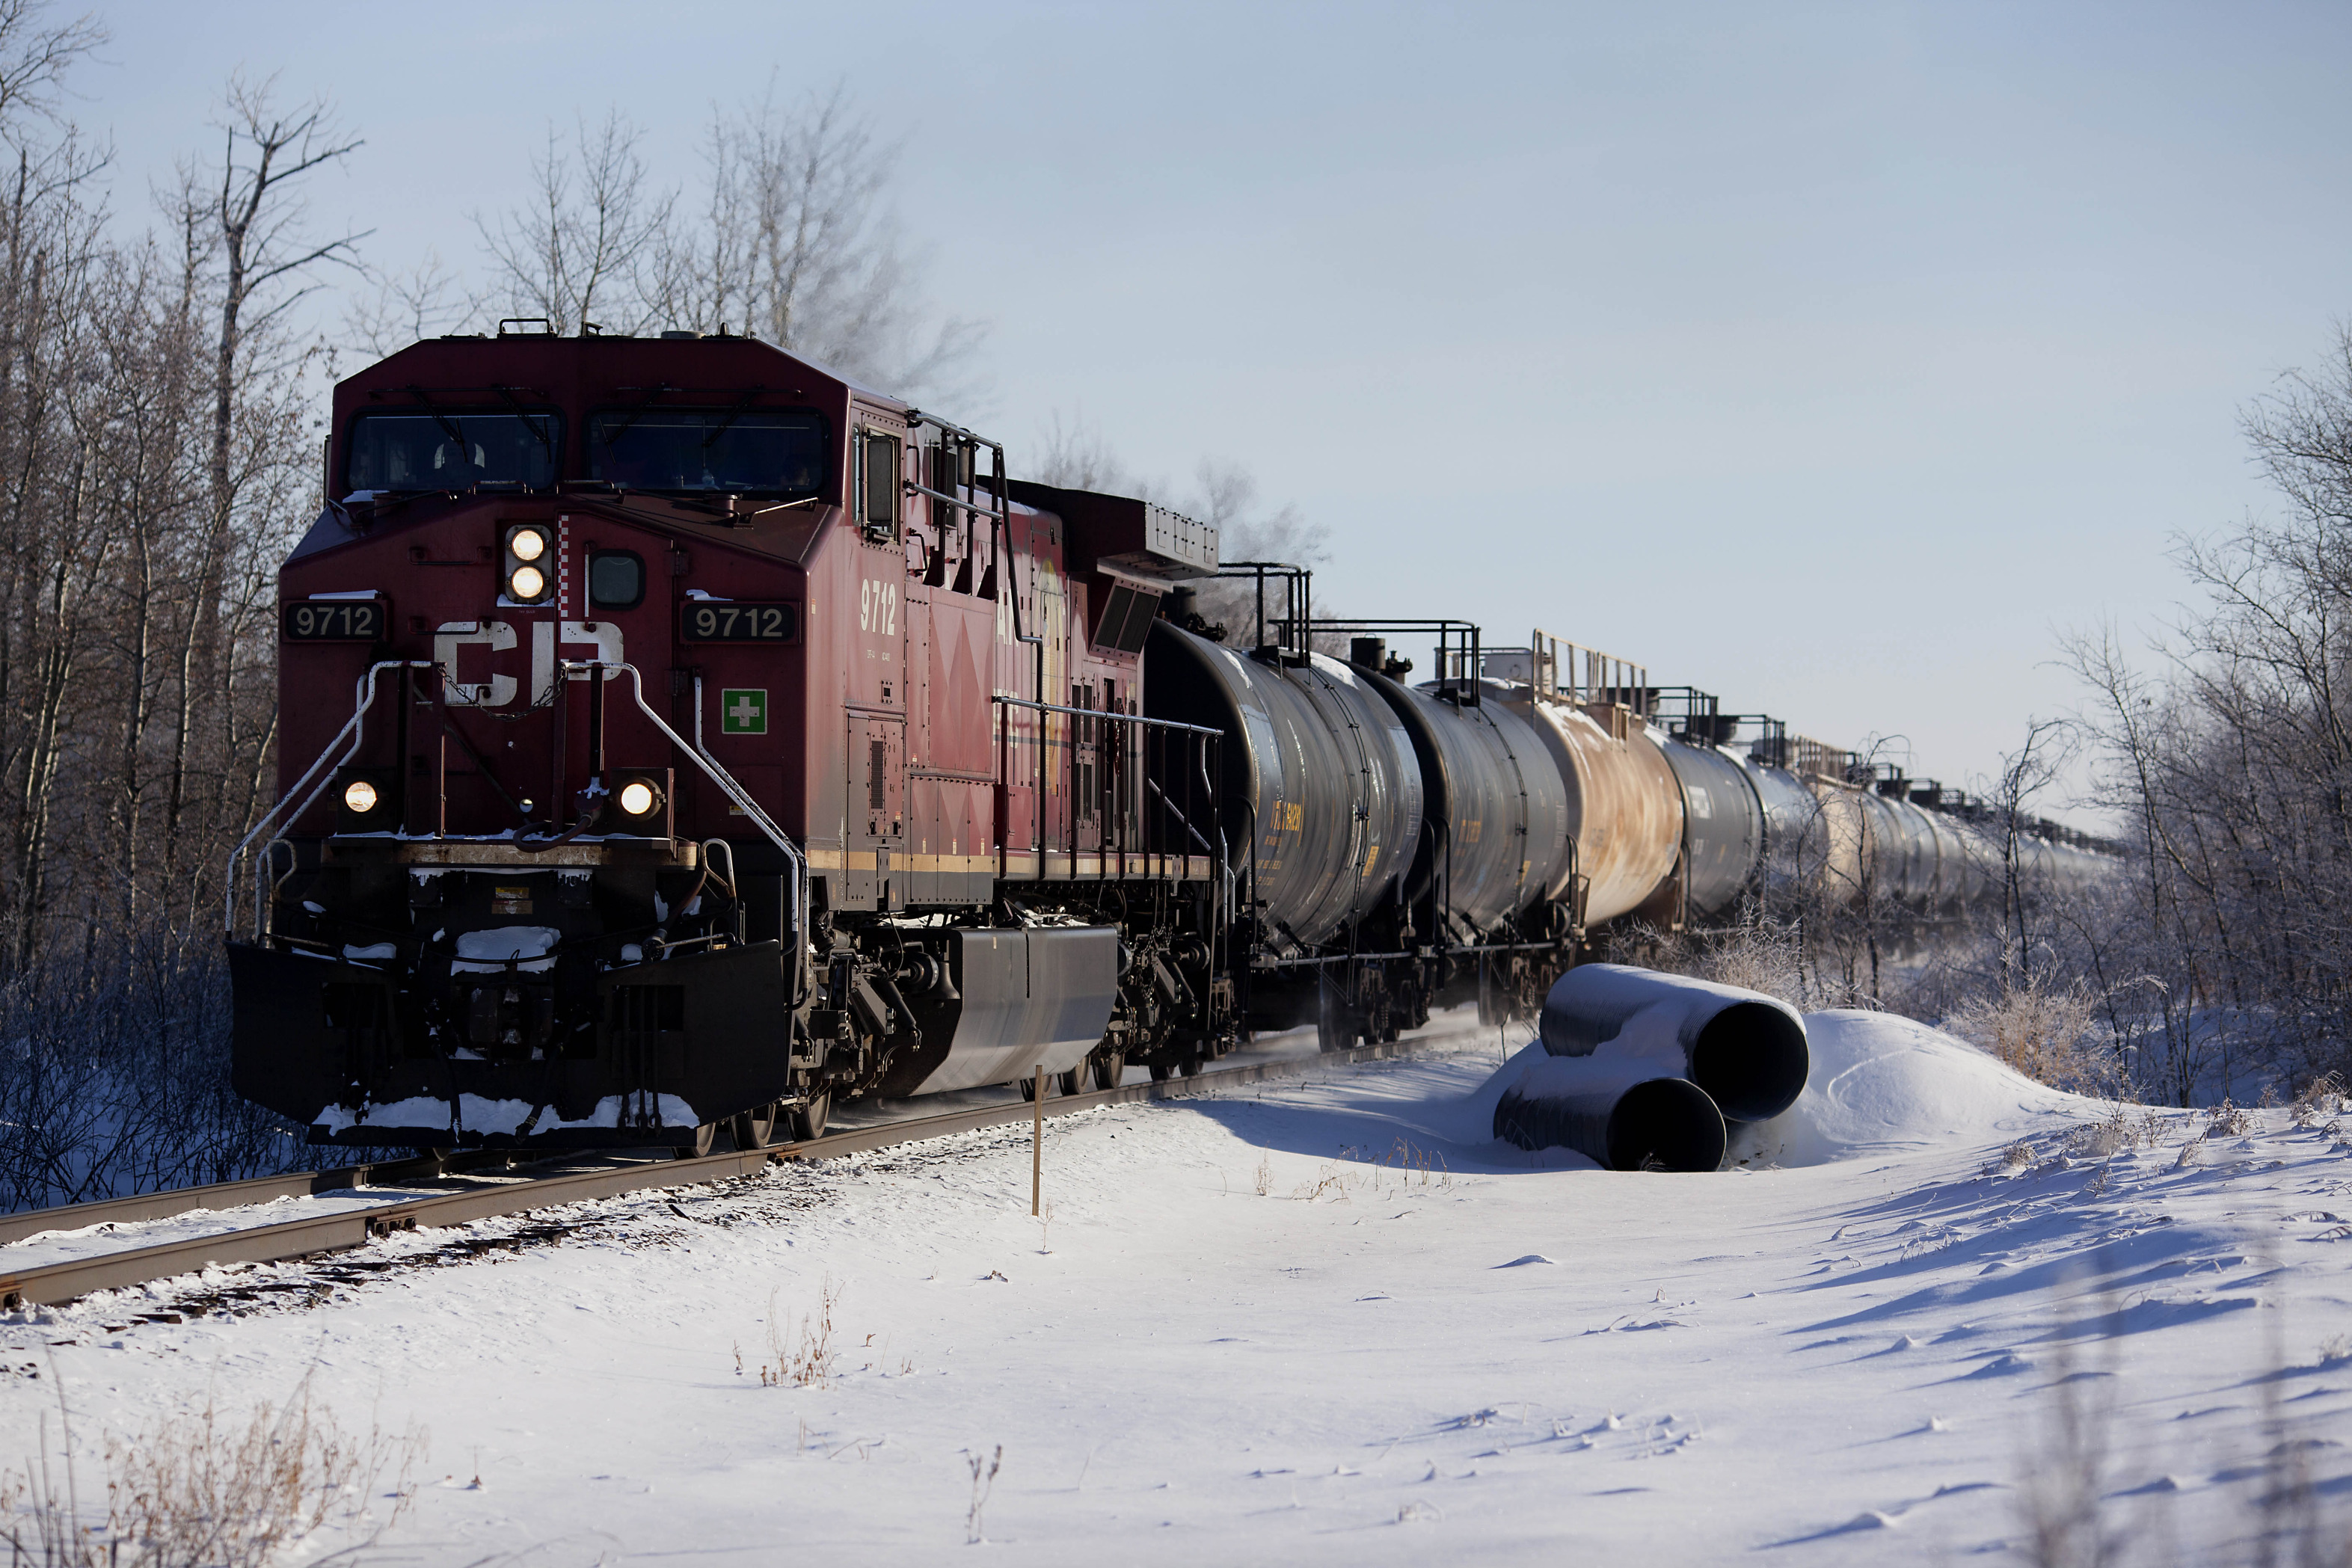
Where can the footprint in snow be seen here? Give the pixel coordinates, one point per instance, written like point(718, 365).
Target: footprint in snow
point(1521, 1263)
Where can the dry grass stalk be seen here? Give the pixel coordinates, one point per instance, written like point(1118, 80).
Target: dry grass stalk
point(2228, 1120)
point(983, 1482)
point(201, 1490)
point(2322, 1100)
point(1331, 1182)
point(808, 1359)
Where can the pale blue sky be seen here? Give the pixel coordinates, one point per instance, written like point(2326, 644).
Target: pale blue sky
point(1830, 358)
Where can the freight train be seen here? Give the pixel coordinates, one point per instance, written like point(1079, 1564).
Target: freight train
point(679, 738)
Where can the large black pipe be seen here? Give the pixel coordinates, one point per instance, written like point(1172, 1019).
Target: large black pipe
point(1650, 1124)
point(1745, 1049)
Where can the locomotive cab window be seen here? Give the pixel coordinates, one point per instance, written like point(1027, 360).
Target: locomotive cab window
point(760, 452)
point(879, 481)
point(616, 580)
point(439, 451)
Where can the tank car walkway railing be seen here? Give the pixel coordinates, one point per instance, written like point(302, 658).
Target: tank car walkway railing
point(1191, 817)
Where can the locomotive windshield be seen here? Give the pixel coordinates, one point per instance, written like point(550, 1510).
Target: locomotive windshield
point(440, 451)
point(756, 450)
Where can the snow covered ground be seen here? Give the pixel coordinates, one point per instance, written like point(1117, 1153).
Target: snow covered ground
point(1331, 1320)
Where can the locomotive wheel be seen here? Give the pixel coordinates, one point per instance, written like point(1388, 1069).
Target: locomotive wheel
point(754, 1129)
point(1073, 1082)
point(808, 1119)
point(1109, 1068)
point(1162, 1071)
point(1190, 1065)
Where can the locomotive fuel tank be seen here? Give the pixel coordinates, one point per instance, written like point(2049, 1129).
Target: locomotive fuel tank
point(1318, 770)
point(1723, 828)
point(1624, 808)
point(1497, 808)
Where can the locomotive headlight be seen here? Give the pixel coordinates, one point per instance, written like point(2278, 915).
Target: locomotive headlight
point(639, 801)
point(528, 549)
point(369, 801)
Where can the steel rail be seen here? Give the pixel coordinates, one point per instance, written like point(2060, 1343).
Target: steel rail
point(175, 1201)
point(53, 1284)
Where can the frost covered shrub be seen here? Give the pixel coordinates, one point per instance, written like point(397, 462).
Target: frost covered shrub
point(1759, 955)
point(2044, 1031)
point(114, 1079)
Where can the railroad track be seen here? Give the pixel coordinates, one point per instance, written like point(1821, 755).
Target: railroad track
point(52, 1284)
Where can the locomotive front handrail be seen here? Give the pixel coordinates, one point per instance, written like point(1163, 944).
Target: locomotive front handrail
point(759, 819)
point(356, 726)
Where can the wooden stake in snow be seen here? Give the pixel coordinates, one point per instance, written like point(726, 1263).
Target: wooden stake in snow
point(1038, 1147)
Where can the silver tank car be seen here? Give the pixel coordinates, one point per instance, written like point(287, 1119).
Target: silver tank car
point(1485, 778)
point(1723, 828)
point(1316, 768)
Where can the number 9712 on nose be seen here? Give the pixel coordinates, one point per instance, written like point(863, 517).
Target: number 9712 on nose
point(740, 622)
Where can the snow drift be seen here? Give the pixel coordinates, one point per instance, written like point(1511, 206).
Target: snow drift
point(1882, 1083)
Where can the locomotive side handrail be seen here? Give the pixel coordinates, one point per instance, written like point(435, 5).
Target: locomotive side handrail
point(1136, 723)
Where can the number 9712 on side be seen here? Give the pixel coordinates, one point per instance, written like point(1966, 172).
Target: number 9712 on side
point(333, 620)
point(702, 621)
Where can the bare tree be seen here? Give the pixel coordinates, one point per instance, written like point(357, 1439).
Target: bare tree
point(2026, 774)
point(423, 302)
point(1074, 456)
point(2232, 763)
point(586, 246)
point(797, 244)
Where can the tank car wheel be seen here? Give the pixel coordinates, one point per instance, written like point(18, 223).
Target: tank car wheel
point(808, 1118)
point(1073, 1082)
point(755, 1129)
point(706, 1137)
point(1028, 1086)
point(1109, 1068)
point(1162, 1071)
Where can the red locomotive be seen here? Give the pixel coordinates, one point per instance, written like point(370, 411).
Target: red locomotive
point(677, 735)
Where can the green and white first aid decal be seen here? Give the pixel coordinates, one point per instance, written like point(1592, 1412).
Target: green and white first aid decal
point(743, 710)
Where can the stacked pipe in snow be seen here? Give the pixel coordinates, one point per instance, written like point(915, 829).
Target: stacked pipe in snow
point(1643, 1071)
